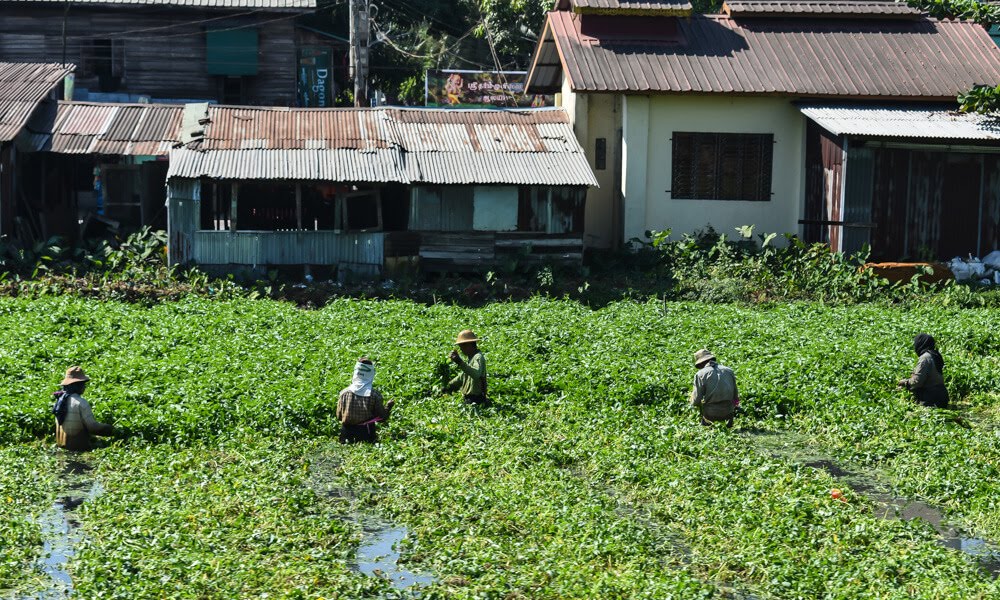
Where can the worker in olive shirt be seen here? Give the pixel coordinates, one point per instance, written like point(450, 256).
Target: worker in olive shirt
point(472, 379)
point(360, 406)
point(714, 392)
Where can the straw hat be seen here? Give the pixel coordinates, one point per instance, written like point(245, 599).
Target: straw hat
point(466, 336)
point(702, 356)
point(74, 375)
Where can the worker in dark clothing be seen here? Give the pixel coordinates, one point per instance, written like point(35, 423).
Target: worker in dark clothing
point(927, 381)
point(714, 392)
point(360, 407)
point(471, 381)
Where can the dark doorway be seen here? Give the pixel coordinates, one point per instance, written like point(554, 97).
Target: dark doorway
point(960, 207)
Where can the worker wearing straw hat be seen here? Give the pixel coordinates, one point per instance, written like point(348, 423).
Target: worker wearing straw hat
point(471, 381)
point(75, 421)
point(714, 393)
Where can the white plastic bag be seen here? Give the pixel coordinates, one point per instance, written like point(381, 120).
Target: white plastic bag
point(960, 269)
point(992, 260)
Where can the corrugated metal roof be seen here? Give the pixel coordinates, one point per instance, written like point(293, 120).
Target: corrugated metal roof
point(387, 145)
point(99, 128)
point(902, 122)
point(262, 4)
point(814, 8)
point(632, 7)
point(22, 87)
point(913, 58)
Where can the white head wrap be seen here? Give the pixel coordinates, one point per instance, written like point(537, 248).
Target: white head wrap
point(361, 384)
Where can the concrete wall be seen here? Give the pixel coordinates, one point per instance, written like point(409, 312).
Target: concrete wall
point(648, 123)
point(599, 116)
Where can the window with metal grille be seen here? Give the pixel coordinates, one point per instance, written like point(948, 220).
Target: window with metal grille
point(722, 166)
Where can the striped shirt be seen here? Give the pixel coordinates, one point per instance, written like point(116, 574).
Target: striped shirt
point(354, 410)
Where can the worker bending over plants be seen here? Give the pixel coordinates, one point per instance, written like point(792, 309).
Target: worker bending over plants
point(360, 407)
point(75, 421)
point(471, 380)
point(927, 381)
point(714, 393)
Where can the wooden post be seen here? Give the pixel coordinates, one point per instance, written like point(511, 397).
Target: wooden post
point(233, 207)
point(298, 205)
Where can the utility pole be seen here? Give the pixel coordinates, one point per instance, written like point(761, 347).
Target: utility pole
point(360, 35)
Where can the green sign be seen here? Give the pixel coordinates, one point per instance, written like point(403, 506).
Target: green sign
point(315, 79)
point(472, 89)
point(232, 52)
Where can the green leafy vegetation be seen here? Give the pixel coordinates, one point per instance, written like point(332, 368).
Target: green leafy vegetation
point(589, 477)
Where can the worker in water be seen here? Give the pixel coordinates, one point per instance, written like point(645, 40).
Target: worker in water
point(75, 421)
point(714, 393)
point(927, 381)
point(360, 406)
point(471, 380)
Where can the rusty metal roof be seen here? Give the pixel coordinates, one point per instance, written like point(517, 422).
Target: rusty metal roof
point(902, 122)
point(386, 144)
point(912, 58)
point(259, 4)
point(104, 128)
point(817, 8)
point(627, 7)
point(22, 87)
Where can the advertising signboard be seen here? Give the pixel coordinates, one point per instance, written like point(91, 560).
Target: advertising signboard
point(477, 89)
point(315, 78)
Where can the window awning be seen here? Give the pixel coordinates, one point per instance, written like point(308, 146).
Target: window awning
point(880, 121)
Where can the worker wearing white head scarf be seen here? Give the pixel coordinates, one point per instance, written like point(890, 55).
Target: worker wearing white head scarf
point(360, 406)
point(364, 376)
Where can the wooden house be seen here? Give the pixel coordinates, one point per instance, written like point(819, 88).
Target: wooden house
point(361, 189)
point(24, 88)
point(236, 51)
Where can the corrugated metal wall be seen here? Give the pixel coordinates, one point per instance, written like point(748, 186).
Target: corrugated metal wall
point(858, 198)
point(183, 200)
point(360, 252)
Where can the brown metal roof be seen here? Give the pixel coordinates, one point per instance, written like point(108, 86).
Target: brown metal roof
point(628, 7)
point(22, 87)
point(101, 128)
point(816, 8)
point(386, 144)
point(259, 4)
point(920, 58)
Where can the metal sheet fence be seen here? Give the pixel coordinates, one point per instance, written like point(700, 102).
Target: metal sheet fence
point(360, 252)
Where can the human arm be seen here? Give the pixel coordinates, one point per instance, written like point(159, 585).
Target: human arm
point(697, 392)
point(91, 423)
point(475, 368)
point(920, 373)
point(341, 408)
point(381, 408)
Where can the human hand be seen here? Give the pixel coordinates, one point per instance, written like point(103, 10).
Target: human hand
point(453, 356)
point(901, 383)
point(437, 390)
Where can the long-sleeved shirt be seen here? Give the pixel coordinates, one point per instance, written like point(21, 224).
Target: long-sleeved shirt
point(715, 391)
point(927, 383)
point(354, 410)
point(78, 425)
point(472, 379)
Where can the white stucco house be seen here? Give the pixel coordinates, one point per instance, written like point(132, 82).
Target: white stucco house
point(830, 119)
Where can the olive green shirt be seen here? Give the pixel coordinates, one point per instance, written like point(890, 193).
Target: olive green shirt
point(472, 380)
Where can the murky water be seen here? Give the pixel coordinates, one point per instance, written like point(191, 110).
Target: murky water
point(378, 556)
point(796, 448)
point(60, 530)
point(378, 553)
